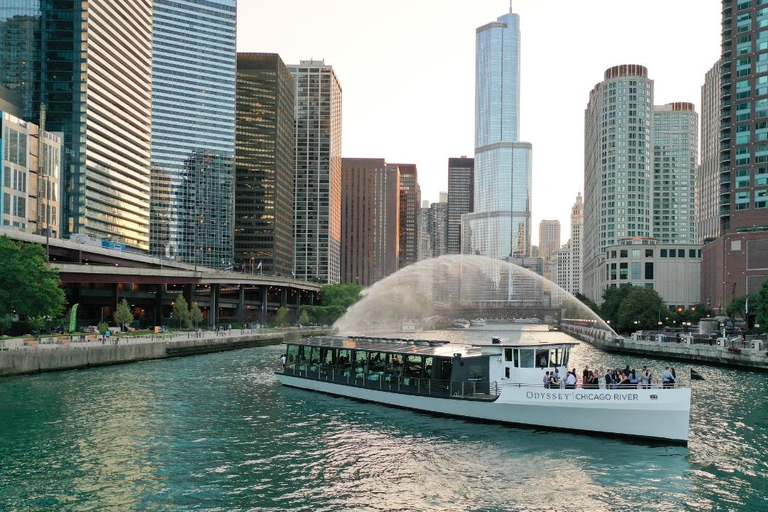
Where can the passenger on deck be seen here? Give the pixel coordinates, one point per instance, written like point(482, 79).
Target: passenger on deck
point(546, 380)
point(570, 380)
point(633, 380)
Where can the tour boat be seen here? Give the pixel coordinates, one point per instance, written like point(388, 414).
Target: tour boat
point(498, 382)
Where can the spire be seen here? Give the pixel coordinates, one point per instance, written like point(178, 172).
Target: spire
point(510, 5)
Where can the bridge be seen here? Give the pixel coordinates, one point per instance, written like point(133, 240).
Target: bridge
point(98, 278)
point(502, 311)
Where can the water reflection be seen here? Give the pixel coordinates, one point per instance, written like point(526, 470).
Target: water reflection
point(219, 432)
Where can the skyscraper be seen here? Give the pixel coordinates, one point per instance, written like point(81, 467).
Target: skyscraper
point(567, 260)
point(708, 186)
point(90, 63)
point(317, 182)
point(735, 264)
point(461, 198)
point(369, 220)
point(617, 167)
point(549, 238)
point(264, 164)
point(675, 173)
point(500, 226)
point(410, 214)
point(193, 131)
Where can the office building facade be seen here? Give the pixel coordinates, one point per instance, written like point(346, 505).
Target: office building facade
point(317, 180)
point(30, 185)
point(369, 220)
point(735, 264)
point(708, 186)
point(264, 164)
point(617, 167)
point(675, 173)
point(461, 198)
point(193, 131)
point(549, 238)
point(500, 225)
point(98, 94)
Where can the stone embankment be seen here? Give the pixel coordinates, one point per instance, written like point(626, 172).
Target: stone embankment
point(750, 354)
point(25, 356)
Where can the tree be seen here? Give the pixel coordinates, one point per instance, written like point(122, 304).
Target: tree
point(5, 323)
point(103, 327)
point(340, 294)
point(739, 304)
point(28, 286)
point(304, 318)
point(639, 309)
point(36, 323)
point(761, 310)
point(181, 312)
point(612, 299)
point(587, 302)
point(281, 316)
point(123, 314)
point(195, 314)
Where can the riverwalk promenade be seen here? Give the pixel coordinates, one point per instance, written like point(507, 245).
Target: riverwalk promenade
point(19, 356)
point(749, 354)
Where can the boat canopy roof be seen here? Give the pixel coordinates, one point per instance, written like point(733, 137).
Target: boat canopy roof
point(406, 346)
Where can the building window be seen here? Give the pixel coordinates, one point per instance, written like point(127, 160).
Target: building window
point(623, 270)
point(636, 273)
point(649, 270)
point(649, 253)
point(663, 253)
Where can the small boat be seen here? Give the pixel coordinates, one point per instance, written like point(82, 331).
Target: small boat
point(460, 323)
point(696, 375)
point(477, 322)
point(499, 382)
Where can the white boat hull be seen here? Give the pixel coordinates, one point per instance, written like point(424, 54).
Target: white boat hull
point(661, 414)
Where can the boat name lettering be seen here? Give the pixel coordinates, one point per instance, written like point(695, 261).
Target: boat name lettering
point(589, 397)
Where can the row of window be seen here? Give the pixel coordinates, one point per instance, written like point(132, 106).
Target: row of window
point(663, 253)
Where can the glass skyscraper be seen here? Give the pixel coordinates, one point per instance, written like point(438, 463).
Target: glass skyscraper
point(500, 226)
point(193, 131)
point(90, 64)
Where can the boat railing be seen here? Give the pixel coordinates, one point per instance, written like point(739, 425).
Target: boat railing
point(386, 381)
point(593, 386)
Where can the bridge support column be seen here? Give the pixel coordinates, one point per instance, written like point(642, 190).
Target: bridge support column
point(283, 297)
point(264, 303)
point(213, 306)
point(241, 303)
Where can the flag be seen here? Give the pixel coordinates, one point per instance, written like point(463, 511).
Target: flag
point(258, 267)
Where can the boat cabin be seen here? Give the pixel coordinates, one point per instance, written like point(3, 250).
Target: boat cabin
point(422, 366)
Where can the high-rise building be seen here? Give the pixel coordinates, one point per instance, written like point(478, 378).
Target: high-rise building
point(425, 238)
point(410, 214)
point(675, 173)
point(90, 64)
point(29, 191)
point(549, 238)
point(317, 181)
point(369, 220)
point(500, 226)
point(264, 164)
point(735, 264)
point(708, 186)
point(617, 167)
point(193, 130)
point(461, 186)
point(567, 260)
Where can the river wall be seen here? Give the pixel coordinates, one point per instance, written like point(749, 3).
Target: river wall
point(86, 355)
point(749, 356)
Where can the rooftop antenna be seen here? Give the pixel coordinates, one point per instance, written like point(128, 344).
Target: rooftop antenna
point(510, 5)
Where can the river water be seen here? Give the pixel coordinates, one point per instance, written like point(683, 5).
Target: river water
point(218, 432)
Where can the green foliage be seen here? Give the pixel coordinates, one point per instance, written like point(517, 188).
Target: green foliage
point(640, 309)
point(304, 318)
point(103, 327)
point(761, 309)
point(280, 318)
point(195, 314)
point(612, 299)
point(343, 295)
point(5, 323)
point(123, 314)
point(181, 312)
point(36, 323)
point(738, 305)
point(28, 286)
point(323, 315)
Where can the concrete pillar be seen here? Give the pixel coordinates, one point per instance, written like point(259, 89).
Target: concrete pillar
point(159, 304)
point(283, 297)
point(213, 309)
point(264, 301)
point(241, 302)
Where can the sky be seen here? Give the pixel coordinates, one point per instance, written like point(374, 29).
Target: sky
point(407, 70)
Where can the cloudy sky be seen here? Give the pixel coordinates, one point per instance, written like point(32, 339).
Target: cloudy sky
point(407, 72)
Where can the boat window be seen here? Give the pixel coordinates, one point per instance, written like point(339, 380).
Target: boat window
point(301, 357)
point(566, 353)
point(377, 361)
point(413, 366)
point(508, 354)
point(517, 359)
point(506, 372)
point(361, 359)
point(526, 358)
point(428, 367)
point(555, 356)
point(291, 354)
point(328, 356)
point(314, 355)
point(542, 358)
point(345, 358)
point(442, 368)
